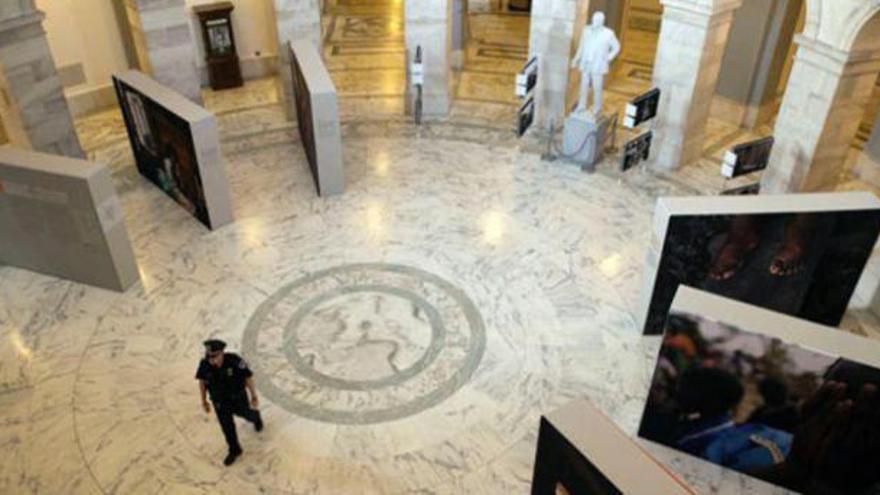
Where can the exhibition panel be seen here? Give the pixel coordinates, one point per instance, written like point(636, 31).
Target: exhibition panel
point(800, 254)
point(581, 451)
point(317, 117)
point(61, 216)
point(781, 399)
point(176, 145)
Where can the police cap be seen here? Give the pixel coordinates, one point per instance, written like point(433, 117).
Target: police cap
point(214, 345)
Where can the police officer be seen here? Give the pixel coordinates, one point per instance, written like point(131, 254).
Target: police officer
point(228, 379)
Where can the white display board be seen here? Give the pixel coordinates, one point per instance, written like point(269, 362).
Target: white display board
point(317, 117)
point(176, 145)
point(61, 216)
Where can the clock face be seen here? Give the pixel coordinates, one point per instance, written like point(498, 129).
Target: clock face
point(219, 36)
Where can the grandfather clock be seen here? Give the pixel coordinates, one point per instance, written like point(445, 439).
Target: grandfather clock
point(224, 70)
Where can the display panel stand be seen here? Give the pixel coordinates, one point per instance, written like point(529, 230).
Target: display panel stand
point(317, 117)
point(61, 216)
point(690, 234)
point(583, 452)
point(176, 145)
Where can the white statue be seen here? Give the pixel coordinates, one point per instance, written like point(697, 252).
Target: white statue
point(598, 47)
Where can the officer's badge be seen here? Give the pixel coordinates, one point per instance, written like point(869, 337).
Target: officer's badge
point(229, 371)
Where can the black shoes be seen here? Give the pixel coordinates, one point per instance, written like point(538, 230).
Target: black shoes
point(231, 457)
point(234, 454)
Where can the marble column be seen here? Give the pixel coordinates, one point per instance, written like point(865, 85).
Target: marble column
point(867, 167)
point(554, 26)
point(692, 38)
point(752, 68)
point(820, 115)
point(459, 32)
point(34, 111)
point(164, 44)
point(428, 23)
point(296, 19)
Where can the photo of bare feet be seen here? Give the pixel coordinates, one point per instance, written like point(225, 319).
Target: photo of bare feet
point(789, 260)
point(802, 264)
point(742, 239)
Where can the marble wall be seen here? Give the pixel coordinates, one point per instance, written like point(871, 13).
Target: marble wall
point(753, 65)
point(834, 72)
point(821, 111)
point(296, 19)
point(16, 8)
point(164, 44)
point(37, 115)
point(693, 36)
point(554, 24)
point(428, 23)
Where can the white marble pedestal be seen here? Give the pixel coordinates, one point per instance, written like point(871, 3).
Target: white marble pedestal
point(583, 137)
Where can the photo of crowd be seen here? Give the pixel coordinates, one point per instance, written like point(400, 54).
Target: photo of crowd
point(795, 417)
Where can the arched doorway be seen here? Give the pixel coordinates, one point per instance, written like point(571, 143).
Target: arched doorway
point(719, 69)
point(832, 81)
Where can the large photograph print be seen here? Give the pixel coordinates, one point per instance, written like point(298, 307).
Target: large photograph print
point(803, 264)
point(304, 117)
point(795, 417)
point(164, 150)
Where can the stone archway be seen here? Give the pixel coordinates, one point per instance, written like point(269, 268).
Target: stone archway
point(834, 73)
point(693, 36)
point(35, 113)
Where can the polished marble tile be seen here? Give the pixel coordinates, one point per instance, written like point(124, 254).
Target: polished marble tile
point(549, 257)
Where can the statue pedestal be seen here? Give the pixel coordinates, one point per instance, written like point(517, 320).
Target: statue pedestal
point(583, 138)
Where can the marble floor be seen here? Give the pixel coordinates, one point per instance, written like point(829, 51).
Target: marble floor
point(365, 54)
point(407, 335)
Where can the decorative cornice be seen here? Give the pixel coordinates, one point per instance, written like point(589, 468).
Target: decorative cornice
point(833, 60)
point(704, 7)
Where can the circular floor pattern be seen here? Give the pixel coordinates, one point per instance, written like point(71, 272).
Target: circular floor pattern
point(364, 343)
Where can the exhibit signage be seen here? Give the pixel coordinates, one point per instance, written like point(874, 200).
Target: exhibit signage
point(746, 190)
point(641, 109)
point(747, 158)
point(525, 116)
point(527, 78)
point(636, 151)
point(417, 70)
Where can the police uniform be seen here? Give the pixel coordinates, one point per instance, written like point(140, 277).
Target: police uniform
point(226, 386)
